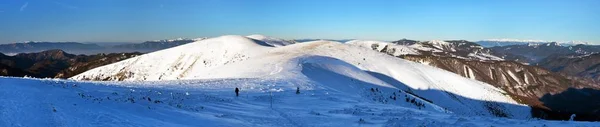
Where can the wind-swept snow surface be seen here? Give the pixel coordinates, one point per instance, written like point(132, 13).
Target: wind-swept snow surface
point(315, 64)
point(263, 102)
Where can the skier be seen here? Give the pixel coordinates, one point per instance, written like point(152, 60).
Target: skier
point(572, 117)
point(237, 91)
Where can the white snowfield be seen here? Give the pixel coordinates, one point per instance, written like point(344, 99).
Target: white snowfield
point(50, 102)
point(192, 85)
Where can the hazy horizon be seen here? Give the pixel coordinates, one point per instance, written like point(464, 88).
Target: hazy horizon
point(138, 21)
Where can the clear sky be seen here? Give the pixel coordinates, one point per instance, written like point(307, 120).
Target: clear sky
point(141, 20)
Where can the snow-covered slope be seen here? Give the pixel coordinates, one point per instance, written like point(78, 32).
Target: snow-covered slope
point(390, 48)
point(334, 66)
point(457, 49)
point(271, 40)
point(49, 102)
point(182, 61)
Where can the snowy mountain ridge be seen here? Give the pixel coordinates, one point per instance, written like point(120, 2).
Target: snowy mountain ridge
point(458, 49)
point(317, 83)
point(507, 42)
point(314, 63)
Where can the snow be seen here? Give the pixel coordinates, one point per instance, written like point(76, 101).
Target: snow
point(505, 42)
point(369, 44)
point(514, 77)
point(485, 57)
point(51, 102)
point(396, 50)
point(271, 40)
point(181, 61)
point(240, 57)
point(439, 44)
point(193, 84)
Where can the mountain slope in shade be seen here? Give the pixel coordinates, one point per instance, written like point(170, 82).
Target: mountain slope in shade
point(55, 63)
point(537, 52)
point(42, 46)
point(316, 64)
point(149, 46)
point(575, 65)
point(528, 84)
point(93, 48)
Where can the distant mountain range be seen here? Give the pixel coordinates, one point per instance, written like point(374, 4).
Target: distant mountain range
point(507, 42)
point(92, 48)
point(55, 63)
point(15, 48)
point(536, 52)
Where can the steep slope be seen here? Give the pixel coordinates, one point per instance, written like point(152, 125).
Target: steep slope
point(84, 63)
point(530, 85)
point(522, 81)
point(576, 65)
point(55, 63)
point(314, 65)
point(42, 46)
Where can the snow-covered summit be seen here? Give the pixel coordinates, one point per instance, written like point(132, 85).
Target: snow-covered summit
point(336, 66)
point(181, 61)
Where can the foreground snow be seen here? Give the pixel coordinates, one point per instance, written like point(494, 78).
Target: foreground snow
point(47, 102)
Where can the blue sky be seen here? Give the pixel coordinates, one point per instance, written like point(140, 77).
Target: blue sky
point(140, 20)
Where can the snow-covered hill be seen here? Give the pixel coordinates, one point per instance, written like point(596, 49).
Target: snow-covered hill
point(313, 64)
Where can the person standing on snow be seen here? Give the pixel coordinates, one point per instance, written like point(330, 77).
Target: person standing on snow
point(237, 92)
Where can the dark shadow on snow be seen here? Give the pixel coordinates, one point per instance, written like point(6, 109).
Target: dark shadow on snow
point(585, 103)
point(322, 75)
